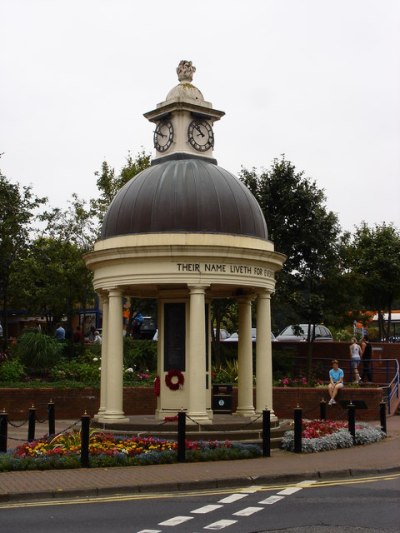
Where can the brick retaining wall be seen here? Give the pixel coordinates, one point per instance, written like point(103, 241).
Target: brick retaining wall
point(72, 403)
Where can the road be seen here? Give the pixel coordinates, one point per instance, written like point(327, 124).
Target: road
point(364, 504)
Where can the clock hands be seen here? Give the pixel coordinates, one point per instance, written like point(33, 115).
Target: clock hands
point(159, 133)
point(197, 127)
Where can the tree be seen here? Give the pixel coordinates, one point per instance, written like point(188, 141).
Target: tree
point(54, 280)
point(306, 232)
point(374, 256)
point(17, 213)
point(76, 224)
point(109, 184)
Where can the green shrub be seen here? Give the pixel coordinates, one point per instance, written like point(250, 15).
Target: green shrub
point(226, 373)
point(282, 363)
point(85, 373)
point(140, 354)
point(37, 351)
point(12, 370)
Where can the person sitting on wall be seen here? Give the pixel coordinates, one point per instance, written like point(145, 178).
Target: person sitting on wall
point(336, 376)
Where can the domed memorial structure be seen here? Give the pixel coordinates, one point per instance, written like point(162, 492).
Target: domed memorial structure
point(185, 231)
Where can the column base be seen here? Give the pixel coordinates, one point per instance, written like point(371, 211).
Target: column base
point(112, 418)
point(99, 414)
point(198, 418)
point(245, 412)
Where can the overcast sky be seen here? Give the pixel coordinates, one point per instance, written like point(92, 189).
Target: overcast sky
point(316, 80)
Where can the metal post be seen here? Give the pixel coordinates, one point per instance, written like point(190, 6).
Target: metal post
point(266, 433)
point(382, 413)
point(85, 421)
point(181, 437)
point(3, 431)
point(31, 423)
point(322, 409)
point(351, 415)
point(298, 429)
point(51, 417)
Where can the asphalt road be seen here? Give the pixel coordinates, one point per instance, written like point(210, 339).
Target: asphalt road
point(364, 504)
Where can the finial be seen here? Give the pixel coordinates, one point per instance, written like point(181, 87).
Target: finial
point(185, 71)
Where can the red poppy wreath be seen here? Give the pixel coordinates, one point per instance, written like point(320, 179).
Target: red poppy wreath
point(174, 379)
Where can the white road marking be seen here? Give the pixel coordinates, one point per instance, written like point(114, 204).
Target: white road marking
point(248, 511)
point(176, 521)
point(251, 489)
point(206, 509)
point(150, 531)
point(232, 498)
point(220, 524)
point(306, 483)
point(289, 491)
point(271, 500)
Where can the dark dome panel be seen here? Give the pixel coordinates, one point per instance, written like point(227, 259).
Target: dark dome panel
point(187, 195)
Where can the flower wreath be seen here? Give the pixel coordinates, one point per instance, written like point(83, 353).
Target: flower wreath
point(157, 386)
point(174, 379)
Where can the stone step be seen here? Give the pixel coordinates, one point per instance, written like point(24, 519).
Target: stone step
point(245, 435)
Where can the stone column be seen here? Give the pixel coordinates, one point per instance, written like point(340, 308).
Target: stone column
point(196, 367)
point(104, 357)
point(245, 405)
point(114, 399)
point(264, 380)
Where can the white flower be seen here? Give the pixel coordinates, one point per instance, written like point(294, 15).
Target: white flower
point(95, 358)
point(129, 370)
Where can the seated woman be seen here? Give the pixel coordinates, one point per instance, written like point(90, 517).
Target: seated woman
point(336, 376)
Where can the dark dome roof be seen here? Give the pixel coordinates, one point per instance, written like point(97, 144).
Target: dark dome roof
point(187, 195)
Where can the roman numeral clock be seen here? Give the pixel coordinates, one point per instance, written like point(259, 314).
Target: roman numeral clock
point(184, 121)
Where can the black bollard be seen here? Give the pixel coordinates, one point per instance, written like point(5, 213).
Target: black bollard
point(351, 415)
point(85, 421)
point(266, 433)
point(3, 431)
point(322, 409)
point(181, 437)
point(31, 423)
point(382, 414)
point(298, 429)
point(51, 417)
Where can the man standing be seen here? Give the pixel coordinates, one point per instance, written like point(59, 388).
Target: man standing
point(366, 356)
point(59, 333)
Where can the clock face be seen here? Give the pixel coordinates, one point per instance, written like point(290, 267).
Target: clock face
point(200, 135)
point(163, 136)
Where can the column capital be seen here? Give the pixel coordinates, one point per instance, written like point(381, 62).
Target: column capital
point(197, 288)
point(264, 294)
point(115, 291)
point(246, 298)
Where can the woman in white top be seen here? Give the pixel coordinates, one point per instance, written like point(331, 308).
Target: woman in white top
point(355, 354)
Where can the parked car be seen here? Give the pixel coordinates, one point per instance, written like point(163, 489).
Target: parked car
point(223, 334)
point(299, 333)
point(235, 336)
point(149, 328)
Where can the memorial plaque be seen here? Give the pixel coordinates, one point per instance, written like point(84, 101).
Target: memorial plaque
point(174, 336)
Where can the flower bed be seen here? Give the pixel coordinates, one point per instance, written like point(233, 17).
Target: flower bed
point(323, 435)
point(63, 451)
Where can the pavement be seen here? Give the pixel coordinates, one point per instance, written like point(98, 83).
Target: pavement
point(282, 467)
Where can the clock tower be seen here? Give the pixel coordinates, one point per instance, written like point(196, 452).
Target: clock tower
point(184, 121)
